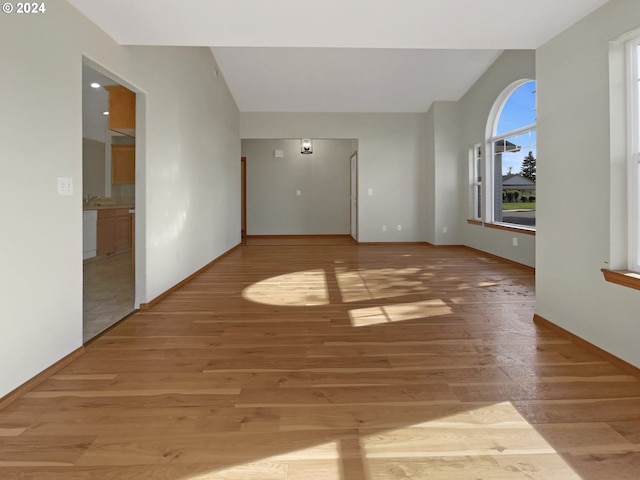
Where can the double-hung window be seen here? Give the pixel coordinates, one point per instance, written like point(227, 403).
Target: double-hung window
point(633, 103)
point(475, 169)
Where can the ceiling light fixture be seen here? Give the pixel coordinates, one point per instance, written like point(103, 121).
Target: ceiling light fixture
point(306, 147)
point(95, 85)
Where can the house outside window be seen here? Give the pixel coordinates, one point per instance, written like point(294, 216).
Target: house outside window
point(512, 144)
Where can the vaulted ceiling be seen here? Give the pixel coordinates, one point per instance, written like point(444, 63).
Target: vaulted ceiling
point(342, 55)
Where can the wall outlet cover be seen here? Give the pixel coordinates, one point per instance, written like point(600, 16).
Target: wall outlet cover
point(65, 186)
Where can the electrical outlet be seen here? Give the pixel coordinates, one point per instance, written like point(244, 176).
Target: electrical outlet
point(445, 229)
point(399, 227)
point(298, 192)
point(384, 228)
point(65, 186)
point(515, 241)
point(370, 191)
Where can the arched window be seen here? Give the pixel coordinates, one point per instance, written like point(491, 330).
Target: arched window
point(512, 156)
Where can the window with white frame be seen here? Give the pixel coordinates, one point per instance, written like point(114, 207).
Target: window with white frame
point(475, 170)
point(633, 102)
point(512, 153)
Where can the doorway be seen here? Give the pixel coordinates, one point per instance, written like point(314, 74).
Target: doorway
point(108, 171)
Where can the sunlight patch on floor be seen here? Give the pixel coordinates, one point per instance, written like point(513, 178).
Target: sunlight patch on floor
point(491, 442)
point(316, 462)
point(361, 317)
point(248, 471)
point(303, 288)
point(377, 284)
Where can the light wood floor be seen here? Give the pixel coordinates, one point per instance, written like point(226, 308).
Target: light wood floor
point(332, 362)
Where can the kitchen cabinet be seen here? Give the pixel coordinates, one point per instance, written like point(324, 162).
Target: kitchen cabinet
point(123, 164)
point(122, 110)
point(114, 230)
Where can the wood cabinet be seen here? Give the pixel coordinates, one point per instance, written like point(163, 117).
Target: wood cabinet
point(114, 230)
point(123, 164)
point(122, 110)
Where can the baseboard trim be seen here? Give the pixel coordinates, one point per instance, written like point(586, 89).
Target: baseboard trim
point(302, 235)
point(422, 244)
point(165, 294)
point(609, 357)
point(33, 382)
point(445, 245)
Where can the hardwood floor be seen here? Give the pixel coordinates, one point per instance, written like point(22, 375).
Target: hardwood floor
point(332, 362)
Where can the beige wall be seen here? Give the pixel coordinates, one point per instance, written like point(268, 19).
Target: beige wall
point(391, 161)
point(188, 175)
point(581, 137)
point(322, 178)
point(449, 194)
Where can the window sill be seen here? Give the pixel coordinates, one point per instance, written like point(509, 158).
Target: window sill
point(622, 277)
point(474, 222)
point(511, 228)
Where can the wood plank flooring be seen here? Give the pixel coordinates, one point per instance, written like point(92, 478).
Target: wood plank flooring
point(332, 361)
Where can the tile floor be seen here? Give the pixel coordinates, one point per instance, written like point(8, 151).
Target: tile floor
point(108, 293)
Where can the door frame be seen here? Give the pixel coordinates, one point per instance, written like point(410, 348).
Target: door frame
point(243, 187)
point(353, 196)
point(139, 230)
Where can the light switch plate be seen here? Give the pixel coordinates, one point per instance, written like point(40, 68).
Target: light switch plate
point(65, 186)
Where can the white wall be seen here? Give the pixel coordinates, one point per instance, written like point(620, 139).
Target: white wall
point(474, 109)
point(322, 178)
point(574, 241)
point(188, 174)
point(92, 167)
point(391, 159)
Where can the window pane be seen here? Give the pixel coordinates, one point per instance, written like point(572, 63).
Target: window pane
point(515, 179)
point(635, 260)
point(636, 145)
point(476, 194)
point(634, 165)
point(519, 110)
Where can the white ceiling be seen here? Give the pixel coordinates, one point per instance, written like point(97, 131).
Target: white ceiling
point(94, 102)
point(342, 55)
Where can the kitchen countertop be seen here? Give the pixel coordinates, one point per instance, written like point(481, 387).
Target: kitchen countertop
point(110, 206)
